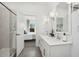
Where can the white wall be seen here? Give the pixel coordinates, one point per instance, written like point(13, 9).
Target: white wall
point(75, 33)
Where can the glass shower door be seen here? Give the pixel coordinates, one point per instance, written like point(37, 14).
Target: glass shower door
point(12, 42)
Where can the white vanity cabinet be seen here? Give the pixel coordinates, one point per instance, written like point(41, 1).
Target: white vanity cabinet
point(54, 49)
point(44, 48)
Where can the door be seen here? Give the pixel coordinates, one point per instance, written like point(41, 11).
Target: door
point(20, 34)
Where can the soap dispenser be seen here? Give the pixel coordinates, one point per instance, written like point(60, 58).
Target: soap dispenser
point(64, 37)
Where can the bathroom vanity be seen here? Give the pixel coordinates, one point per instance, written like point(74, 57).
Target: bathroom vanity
point(60, 44)
point(52, 47)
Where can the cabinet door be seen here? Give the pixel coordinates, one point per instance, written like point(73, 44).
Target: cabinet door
point(41, 47)
point(4, 27)
point(44, 48)
point(61, 51)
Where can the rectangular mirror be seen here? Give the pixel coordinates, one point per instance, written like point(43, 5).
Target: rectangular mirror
point(59, 25)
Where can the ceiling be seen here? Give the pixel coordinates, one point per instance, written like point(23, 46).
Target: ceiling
point(32, 8)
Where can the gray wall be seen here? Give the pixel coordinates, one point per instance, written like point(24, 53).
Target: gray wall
point(4, 27)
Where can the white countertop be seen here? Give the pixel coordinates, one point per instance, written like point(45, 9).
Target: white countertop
point(54, 41)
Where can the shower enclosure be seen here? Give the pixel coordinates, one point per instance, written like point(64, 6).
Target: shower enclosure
point(7, 31)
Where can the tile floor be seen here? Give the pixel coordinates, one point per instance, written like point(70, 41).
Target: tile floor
point(30, 50)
